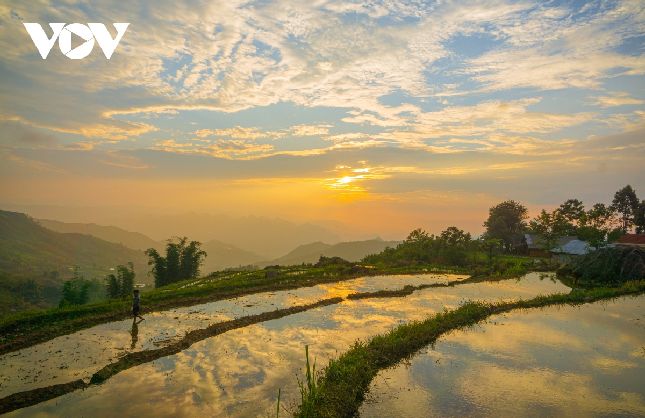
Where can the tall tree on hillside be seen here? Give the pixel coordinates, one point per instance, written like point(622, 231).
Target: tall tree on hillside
point(626, 204)
point(112, 286)
point(75, 291)
point(173, 259)
point(191, 259)
point(158, 264)
point(507, 222)
point(126, 279)
point(121, 284)
point(639, 218)
point(182, 261)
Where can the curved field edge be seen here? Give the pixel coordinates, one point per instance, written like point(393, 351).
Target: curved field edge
point(31, 397)
point(341, 386)
point(30, 328)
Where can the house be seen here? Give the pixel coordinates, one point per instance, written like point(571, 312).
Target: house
point(535, 246)
point(631, 240)
point(565, 247)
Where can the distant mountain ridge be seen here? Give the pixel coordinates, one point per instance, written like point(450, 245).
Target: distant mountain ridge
point(220, 255)
point(26, 247)
point(134, 240)
point(351, 251)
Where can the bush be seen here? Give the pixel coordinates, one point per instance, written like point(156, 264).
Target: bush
point(608, 265)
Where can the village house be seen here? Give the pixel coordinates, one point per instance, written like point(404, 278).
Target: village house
point(631, 240)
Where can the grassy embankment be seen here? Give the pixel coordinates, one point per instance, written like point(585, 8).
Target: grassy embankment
point(29, 328)
point(340, 388)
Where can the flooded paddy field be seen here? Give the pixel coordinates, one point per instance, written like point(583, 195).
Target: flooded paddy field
point(79, 355)
point(238, 373)
point(586, 360)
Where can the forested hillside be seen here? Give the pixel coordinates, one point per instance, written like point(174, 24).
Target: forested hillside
point(34, 261)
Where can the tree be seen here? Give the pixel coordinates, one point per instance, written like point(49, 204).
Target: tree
point(550, 227)
point(597, 223)
point(418, 235)
point(173, 260)
point(455, 237)
point(121, 284)
point(191, 259)
point(112, 286)
point(506, 222)
point(453, 246)
point(182, 261)
point(76, 290)
point(570, 216)
point(158, 264)
point(491, 245)
point(126, 279)
point(639, 218)
point(626, 204)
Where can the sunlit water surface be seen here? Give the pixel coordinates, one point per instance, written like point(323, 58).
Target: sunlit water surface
point(81, 354)
point(586, 361)
point(239, 373)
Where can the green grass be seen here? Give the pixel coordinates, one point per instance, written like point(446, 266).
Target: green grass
point(29, 328)
point(340, 388)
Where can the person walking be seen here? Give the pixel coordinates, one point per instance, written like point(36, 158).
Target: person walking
point(136, 305)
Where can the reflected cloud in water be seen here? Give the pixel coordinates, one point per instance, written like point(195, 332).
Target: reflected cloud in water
point(239, 373)
point(556, 361)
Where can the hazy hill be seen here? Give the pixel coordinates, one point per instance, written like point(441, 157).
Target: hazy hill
point(33, 255)
point(27, 247)
point(222, 255)
point(268, 236)
point(351, 251)
point(134, 240)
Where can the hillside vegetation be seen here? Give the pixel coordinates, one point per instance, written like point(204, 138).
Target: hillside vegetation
point(34, 261)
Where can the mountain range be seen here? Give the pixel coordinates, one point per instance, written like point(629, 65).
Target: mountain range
point(46, 251)
point(350, 251)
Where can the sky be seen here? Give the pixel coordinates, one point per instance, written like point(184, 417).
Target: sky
point(370, 117)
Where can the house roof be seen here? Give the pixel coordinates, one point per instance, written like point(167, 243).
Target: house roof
point(634, 239)
point(564, 245)
point(575, 246)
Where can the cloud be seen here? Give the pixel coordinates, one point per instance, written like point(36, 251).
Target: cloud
point(617, 99)
point(464, 96)
point(238, 132)
point(230, 149)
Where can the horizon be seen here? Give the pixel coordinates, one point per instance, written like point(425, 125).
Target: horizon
point(428, 116)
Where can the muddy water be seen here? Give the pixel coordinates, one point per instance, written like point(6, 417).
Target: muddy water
point(239, 373)
point(79, 355)
point(556, 361)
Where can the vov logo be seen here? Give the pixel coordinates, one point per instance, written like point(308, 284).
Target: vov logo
point(89, 33)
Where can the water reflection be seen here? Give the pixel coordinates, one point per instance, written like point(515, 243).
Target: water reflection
point(557, 361)
point(238, 373)
point(134, 333)
point(81, 354)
